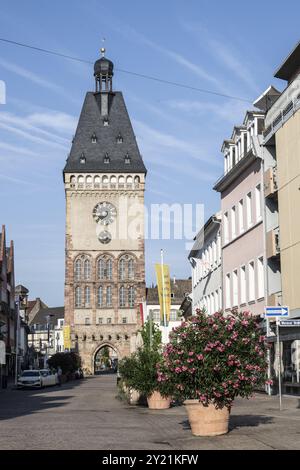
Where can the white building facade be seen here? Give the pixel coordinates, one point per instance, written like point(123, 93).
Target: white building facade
point(206, 261)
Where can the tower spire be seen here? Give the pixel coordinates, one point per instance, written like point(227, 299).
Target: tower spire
point(103, 72)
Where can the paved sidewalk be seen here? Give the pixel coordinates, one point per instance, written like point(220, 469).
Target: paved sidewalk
point(87, 415)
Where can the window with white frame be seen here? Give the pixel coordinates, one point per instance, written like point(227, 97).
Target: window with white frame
point(100, 296)
point(249, 210)
point(173, 315)
point(251, 281)
point(226, 228)
point(220, 298)
point(241, 216)
point(109, 269)
point(214, 250)
point(122, 269)
point(108, 296)
point(233, 223)
point(131, 296)
point(208, 305)
point(87, 296)
point(122, 299)
point(243, 284)
point(78, 270)
point(101, 268)
point(217, 308)
point(78, 297)
point(212, 303)
point(258, 203)
point(235, 288)
point(210, 254)
point(227, 293)
point(219, 249)
point(260, 278)
point(87, 269)
point(131, 269)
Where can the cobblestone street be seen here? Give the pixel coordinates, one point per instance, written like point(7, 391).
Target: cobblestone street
point(87, 415)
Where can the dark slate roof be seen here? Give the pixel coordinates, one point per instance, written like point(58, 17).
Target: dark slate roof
point(41, 316)
point(179, 288)
point(290, 64)
point(91, 122)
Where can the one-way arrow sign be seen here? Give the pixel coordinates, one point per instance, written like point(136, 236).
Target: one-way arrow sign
point(276, 312)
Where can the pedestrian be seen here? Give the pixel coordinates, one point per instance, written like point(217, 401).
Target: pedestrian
point(59, 374)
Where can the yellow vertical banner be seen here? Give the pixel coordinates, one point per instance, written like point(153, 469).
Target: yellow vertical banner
point(67, 337)
point(164, 291)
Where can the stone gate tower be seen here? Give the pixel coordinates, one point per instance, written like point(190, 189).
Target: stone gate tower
point(104, 180)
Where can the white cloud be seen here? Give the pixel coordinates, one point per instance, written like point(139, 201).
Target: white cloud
point(224, 53)
point(17, 149)
point(61, 122)
point(37, 79)
point(154, 137)
point(231, 111)
point(178, 58)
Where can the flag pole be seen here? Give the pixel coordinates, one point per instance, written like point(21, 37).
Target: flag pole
point(163, 286)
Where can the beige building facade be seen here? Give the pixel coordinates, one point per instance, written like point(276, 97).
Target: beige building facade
point(104, 185)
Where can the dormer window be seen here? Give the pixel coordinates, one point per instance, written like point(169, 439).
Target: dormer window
point(119, 139)
point(82, 158)
point(105, 121)
point(106, 159)
point(127, 159)
point(94, 138)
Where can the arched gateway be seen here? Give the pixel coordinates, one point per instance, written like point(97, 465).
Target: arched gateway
point(106, 360)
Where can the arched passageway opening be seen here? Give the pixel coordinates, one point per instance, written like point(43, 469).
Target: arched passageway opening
point(106, 360)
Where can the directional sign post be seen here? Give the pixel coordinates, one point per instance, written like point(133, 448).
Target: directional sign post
point(278, 313)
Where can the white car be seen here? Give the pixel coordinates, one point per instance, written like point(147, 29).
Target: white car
point(37, 378)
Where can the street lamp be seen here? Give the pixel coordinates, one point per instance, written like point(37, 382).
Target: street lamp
point(21, 296)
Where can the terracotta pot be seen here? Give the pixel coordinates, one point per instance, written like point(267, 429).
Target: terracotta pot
point(157, 402)
point(207, 420)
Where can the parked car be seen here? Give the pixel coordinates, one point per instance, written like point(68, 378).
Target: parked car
point(36, 378)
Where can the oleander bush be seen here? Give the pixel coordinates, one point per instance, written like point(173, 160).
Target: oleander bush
point(215, 358)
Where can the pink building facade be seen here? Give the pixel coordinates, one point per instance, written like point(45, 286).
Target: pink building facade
point(241, 189)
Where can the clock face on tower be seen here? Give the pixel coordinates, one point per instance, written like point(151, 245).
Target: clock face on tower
point(104, 213)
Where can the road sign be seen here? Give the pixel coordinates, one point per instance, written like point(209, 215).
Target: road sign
point(289, 323)
point(271, 312)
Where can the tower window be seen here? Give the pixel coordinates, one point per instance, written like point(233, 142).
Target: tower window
point(124, 320)
point(108, 320)
point(127, 159)
point(131, 296)
point(105, 121)
point(119, 139)
point(82, 159)
point(122, 301)
point(106, 159)
point(78, 297)
point(100, 320)
point(94, 138)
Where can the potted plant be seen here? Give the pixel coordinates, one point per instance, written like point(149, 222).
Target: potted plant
point(127, 367)
point(211, 360)
point(139, 371)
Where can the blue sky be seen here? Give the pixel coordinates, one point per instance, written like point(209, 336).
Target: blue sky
point(216, 45)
